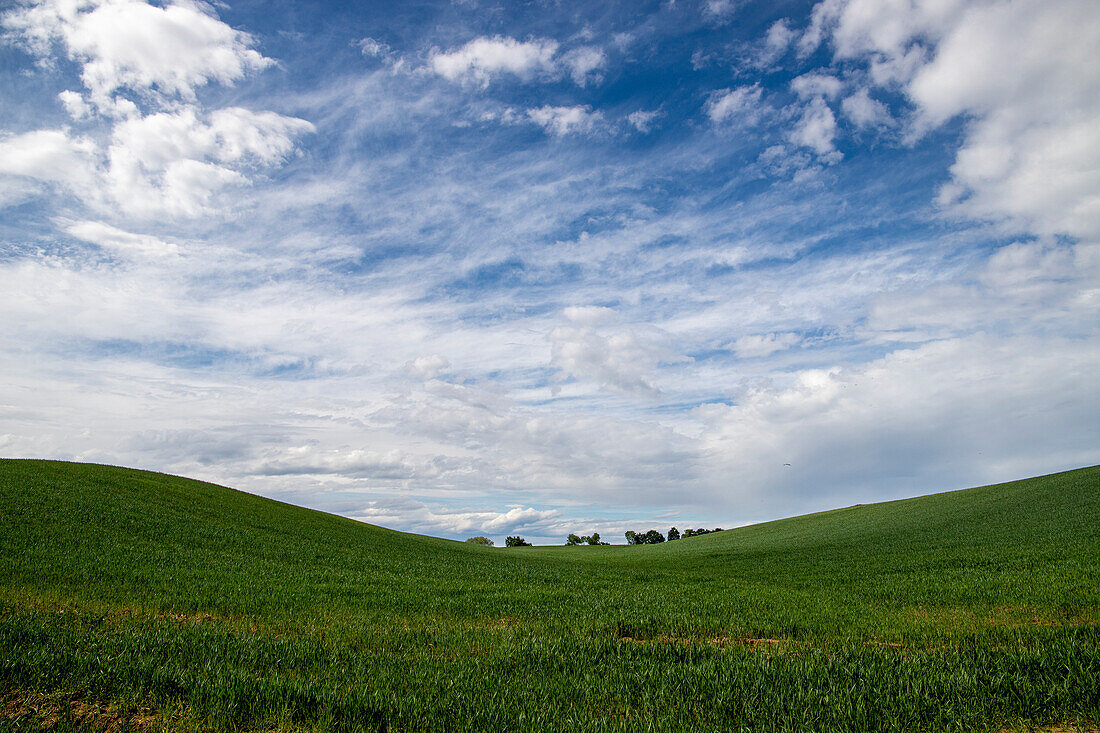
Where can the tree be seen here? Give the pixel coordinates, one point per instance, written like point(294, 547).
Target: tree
point(594, 539)
point(673, 534)
point(573, 540)
point(516, 541)
point(480, 541)
point(653, 537)
point(632, 538)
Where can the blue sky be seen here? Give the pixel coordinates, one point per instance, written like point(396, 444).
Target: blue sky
point(472, 268)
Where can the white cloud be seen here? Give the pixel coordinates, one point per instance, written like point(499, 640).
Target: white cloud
point(126, 44)
point(175, 162)
point(51, 156)
point(483, 58)
point(766, 52)
point(585, 64)
point(824, 13)
point(864, 111)
point(1031, 155)
point(812, 85)
point(970, 410)
point(590, 315)
point(740, 106)
point(642, 120)
point(119, 242)
point(778, 40)
point(756, 345)
point(374, 49)
point(615, 360)
point(720, 9)
point(428, 367)
point(599, 350)
point(561, 121)
point(389, 465)
point(422, 517)
point(74, 104)
point(816, 129)
point(1023, 75)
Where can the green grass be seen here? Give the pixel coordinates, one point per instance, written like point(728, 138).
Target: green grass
point(170, 603)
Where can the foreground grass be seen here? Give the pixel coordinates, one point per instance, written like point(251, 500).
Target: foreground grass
point(156, 601)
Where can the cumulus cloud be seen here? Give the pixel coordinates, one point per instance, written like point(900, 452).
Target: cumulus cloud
point(585, 64)
point(483, 58)
point(166, 163)
point(74, 104)
point(1023, 75)
point(168, 50)
point(596, 348)
point(428, 367)
point(816, 129)
point(175, 162)
point(740, 106)
point(864, 111)
point(778, 40)
point(813, 85)
point(170, 162)
point(561, 121)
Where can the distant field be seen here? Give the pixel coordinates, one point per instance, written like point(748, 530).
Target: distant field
point(134, 599)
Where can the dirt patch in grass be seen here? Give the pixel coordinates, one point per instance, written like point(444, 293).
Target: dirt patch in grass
point(191, 618)
point(48, 711)
point(720, 641)
point(504, 623)
point(1060, 728)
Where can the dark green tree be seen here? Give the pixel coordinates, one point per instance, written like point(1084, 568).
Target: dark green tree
point(673, 534)
point(516, 541)
point(594, 539)
point(573, 540)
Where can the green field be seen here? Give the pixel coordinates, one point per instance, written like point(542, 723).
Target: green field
point(137, 600)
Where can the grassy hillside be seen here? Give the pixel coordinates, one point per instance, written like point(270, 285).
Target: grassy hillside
point(147, 600)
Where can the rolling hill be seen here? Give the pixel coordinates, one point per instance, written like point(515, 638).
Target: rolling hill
point(138, 600)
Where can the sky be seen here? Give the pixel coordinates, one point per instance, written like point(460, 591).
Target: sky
point(474, 268)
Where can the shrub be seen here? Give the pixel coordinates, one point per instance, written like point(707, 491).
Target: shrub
point(480, 541)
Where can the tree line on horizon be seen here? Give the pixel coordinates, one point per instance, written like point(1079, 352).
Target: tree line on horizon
point(653, 537)
point(592, 539)
point(648, 537)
